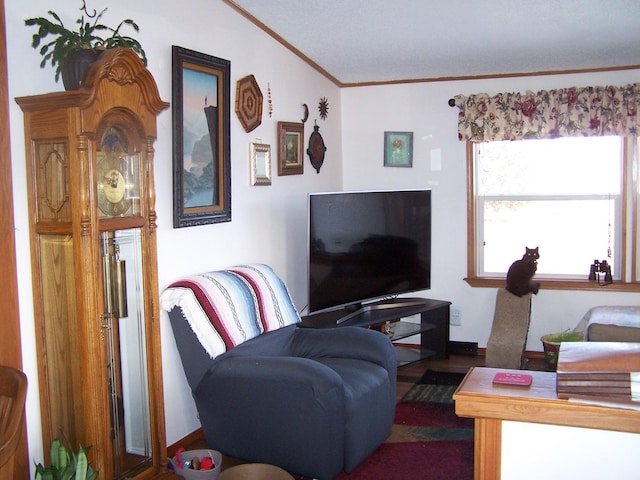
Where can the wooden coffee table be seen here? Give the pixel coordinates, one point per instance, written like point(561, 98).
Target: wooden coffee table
point(489, 405)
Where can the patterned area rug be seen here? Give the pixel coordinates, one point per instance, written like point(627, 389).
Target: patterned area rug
point(428, 441)
point(432, 377)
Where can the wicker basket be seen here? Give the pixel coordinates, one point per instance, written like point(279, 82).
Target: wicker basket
point(190, 474)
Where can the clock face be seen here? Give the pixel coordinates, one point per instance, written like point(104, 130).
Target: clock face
point(118, 175)
point(113, 185)
point(112, 200)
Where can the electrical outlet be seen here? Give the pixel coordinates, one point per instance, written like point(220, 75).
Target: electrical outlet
point(455, 316)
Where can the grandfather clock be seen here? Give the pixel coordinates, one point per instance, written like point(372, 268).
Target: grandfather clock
point(94, 261)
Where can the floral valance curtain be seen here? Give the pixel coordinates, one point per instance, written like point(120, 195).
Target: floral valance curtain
point(568, 112)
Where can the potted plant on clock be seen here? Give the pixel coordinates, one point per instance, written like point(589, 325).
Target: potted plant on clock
point(71, 51)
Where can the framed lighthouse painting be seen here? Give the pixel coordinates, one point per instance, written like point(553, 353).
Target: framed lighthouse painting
point(201, 139)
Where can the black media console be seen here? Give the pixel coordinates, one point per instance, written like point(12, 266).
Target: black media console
point(433, 327)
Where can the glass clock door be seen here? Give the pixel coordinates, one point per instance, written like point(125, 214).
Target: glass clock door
point(125, 341)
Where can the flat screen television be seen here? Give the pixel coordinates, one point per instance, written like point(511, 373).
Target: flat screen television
point(367, 247)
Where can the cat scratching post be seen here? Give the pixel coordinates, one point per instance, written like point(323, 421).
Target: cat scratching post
point(508, 338)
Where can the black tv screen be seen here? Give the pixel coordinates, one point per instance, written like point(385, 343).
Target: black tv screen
point(366, 246)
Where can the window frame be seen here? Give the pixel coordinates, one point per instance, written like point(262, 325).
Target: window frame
point(629, 237)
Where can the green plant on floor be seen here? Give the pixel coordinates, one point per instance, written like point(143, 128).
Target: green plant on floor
point(88, 35)
point(563, 337)
point(551, 343)
point(65, 466)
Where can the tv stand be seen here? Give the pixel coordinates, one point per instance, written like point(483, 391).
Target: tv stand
point(380, 305)
point(433, 327)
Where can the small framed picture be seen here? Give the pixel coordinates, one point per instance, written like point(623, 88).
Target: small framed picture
point(398, 149)
point(290, 144)
point(260, 163)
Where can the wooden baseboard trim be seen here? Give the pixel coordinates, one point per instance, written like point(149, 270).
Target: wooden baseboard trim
point(529, 354)
point(193, 437)
point(534, 355)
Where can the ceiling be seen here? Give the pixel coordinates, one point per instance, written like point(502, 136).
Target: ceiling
point(380, 41)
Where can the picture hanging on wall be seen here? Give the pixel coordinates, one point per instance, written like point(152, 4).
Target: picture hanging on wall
point(201, 139)
point(260, 163)
point(398, 149)
point(290, 143)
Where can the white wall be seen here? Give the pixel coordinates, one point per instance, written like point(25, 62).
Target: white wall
point(422, 108)
point(268, 223)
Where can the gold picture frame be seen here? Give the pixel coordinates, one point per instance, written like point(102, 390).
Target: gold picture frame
point(290, 146)
point(260, 163)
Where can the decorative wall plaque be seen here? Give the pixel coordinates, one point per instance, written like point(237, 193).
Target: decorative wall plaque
point(316, 149)
point(249, 103)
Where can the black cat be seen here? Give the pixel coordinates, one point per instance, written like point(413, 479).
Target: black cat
point(522, 271)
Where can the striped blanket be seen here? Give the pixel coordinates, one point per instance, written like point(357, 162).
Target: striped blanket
point(227, 307)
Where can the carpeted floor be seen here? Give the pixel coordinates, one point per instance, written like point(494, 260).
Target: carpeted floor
point(428, 440)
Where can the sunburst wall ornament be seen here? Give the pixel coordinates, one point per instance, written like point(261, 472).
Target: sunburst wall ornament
point(323, 108)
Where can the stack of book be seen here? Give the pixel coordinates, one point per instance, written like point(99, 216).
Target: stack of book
point(608, 370)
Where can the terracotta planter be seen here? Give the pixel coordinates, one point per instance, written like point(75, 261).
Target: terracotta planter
point(76, 65)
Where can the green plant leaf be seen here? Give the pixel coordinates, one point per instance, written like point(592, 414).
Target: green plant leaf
point(59, 455)
point(45, 475)
point(86, 35)
point(68, 474)
point(81, 465)
point(55, 15)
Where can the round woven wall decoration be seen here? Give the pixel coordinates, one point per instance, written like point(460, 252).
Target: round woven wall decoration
point(249, 103)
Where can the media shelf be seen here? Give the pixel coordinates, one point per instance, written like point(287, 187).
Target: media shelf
point(433, 327)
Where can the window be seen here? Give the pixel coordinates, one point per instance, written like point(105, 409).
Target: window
point(567, 196)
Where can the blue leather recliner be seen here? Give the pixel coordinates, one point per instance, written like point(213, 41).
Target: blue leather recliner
point(313, 402)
